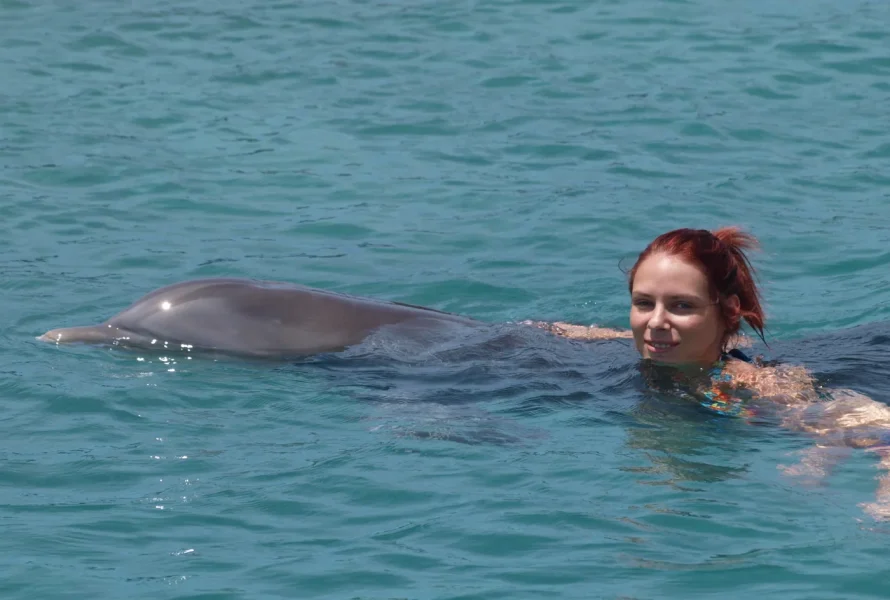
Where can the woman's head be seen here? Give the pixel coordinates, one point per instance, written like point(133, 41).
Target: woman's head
point(690, 290)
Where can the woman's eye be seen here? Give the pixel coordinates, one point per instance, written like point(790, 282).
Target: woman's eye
point(683, 306)
point(642, 303)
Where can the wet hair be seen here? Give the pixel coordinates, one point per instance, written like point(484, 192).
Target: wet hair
point(721, 255)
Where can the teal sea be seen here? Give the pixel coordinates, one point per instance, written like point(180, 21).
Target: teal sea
point(502, 159)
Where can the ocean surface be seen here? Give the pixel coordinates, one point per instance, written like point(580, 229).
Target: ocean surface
point(500, 159)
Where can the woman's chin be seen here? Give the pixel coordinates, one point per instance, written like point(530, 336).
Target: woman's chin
point(677, 362)
point(664, 360)
point(668, 356)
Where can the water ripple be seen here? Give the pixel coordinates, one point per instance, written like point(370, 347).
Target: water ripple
point(500, 159)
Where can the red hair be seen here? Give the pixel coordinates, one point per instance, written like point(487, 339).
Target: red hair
point(721, 255)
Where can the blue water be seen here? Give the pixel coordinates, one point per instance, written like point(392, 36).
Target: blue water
point(502, 160)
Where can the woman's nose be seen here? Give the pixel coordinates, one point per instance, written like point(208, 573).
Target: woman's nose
point(657, 320)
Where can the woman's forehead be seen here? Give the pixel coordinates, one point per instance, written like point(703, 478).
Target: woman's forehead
point(669, 275)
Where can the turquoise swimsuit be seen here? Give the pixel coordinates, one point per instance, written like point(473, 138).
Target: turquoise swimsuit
point(720, 398)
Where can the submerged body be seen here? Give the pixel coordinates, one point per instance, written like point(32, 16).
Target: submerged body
point(251, 318)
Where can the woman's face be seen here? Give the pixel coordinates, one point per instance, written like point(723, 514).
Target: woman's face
point(672, 315)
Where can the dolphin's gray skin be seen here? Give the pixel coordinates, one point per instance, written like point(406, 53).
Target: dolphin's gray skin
point(250, 318)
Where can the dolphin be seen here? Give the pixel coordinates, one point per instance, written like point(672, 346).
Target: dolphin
point(251, 318)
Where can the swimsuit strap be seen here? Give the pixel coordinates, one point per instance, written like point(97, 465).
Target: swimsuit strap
point(736, 353)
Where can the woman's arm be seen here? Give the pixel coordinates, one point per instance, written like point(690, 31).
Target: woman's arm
point(580, 332)
point(840, 419)
point(880, 508)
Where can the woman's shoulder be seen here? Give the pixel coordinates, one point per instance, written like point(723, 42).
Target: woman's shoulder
point(742, 371)
point(769, 380)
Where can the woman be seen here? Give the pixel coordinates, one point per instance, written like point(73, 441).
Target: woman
point(690, 290)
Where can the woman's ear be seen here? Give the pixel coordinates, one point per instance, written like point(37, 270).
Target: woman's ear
point(731, 308)
point(734, 305)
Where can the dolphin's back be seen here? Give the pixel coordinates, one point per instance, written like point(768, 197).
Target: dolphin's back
point(251, 317)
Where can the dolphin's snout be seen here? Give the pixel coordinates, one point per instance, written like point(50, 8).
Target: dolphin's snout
point(89, 334)
point(53, 335)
